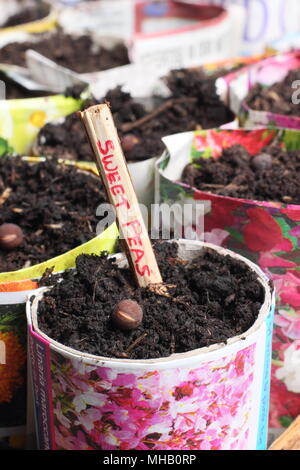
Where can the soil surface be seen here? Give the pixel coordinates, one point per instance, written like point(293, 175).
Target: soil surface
point(273, 177)
point(212, 298)
point(55, 206)
point(193, 104)
point(34, 13)
point(277, 98)
point(80, 54)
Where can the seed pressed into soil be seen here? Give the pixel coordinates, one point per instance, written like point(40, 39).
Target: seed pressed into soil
point(237, 174)
point(276, 99)
point(212, 298)
point(193, 103)
point(54, 205)
point(79, 54)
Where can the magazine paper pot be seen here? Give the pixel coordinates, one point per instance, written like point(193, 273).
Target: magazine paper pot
point(21, 119)
point(13, 358)
point(266, 72)
point(268, 233)
point(210, 398)
point(142, 175)
point(15, 287)
point(13, 337)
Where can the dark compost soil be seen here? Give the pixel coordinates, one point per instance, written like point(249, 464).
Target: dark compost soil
point(78, 54)
point(237, 174)
point(212, 298)
point(55, 206)
point(193, 104)
point(34, 13)
point(277, 98)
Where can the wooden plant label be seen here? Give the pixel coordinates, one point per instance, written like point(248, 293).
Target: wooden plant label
point(114, 172)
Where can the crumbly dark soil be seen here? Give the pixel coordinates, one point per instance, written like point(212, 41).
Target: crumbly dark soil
point(194, 104)
point(55, 206)
point(233, 174)
point(78, 54)
point(34, 13)
point(277, 98)
point(213, 298)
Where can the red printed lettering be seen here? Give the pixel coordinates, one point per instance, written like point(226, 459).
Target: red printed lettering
point(113, 177)
point(118, 189)
point(145, 270)
point(134, 241)
point(108, 161)
point(139, 254)
point(124, 202)
point(109, 145)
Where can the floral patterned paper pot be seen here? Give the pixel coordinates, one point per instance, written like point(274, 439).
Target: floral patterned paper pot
point(266, 72)
point(209, 398)
point(265, 232)
point(15, 286)
point(13, 338)
point(21, 119)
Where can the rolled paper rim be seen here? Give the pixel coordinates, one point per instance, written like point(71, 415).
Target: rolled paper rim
point(278, 58)
point(266, 308)
point(271, 204)
point(269, 115)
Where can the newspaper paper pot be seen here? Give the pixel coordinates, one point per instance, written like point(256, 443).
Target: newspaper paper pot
point(21, 119)
point(92, 402)
point(265, 72)
point(265, 232)
point(15, 286)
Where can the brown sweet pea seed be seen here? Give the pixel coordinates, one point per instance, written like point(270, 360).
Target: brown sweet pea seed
point(262, 162)
point(11, 236)
point(127, 315)
point(129, 141)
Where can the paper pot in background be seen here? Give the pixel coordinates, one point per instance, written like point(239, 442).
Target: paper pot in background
point(165, 34)
point(266, 21)
point(11, 7)
point(15, 286)
point(21, 119)
point(268, 233)
point(265, 72)
point(92, 402)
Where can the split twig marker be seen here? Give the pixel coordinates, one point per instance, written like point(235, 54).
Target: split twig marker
point(112, 166)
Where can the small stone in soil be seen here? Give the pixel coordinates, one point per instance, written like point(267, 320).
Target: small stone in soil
point(262, 162)
point(127, 315)
point(11, 236)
